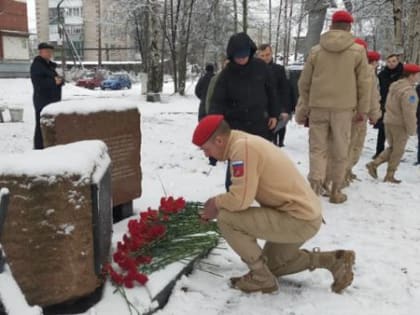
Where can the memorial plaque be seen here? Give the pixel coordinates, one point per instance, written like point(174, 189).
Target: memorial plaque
point(117, 126)
point(57, 232)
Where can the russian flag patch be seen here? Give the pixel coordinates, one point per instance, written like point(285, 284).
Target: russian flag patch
point(238, 168)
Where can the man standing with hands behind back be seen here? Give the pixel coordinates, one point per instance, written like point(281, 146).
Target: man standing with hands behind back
point(47, 86)
point(334, 85)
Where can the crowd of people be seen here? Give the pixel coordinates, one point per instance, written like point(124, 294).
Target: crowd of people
point(245, 110)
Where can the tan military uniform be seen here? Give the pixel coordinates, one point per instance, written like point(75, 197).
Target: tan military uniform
point(359, 129)
point(289, 212)
point(400, 123)
point(334, 83)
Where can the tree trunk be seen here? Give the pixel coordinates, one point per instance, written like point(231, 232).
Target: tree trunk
point(286, 7)
point(317, 9)
point(398, 22)
point(184, 43)
point(288, 34)
point(162, 53)
point(245, 15)
point(153, 75)
point(299, 30)
point(278, 30)
point(235, 15)
point(413, 53)
point(270, 18)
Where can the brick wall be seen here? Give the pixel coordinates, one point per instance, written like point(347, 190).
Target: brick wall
point(13, 16)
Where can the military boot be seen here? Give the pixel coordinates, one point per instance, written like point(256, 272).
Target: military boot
point(336, 195)
point(372, 169)
point(389, 177)
point(259, 279)
point(339, 263)
point(326, 189)
point(316, 186)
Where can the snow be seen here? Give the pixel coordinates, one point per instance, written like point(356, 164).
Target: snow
point(12, 296)
point(3, 192)
point(88, 159)
point(380, 221)
point(88, 106)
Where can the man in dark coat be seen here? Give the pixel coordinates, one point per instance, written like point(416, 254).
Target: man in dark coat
point(391, 73)
point(47, 86)
point(282, 86)
point(244, 92)
point(201, 89)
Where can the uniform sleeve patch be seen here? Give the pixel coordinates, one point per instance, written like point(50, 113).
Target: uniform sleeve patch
point(412, 99)
point(238, 168)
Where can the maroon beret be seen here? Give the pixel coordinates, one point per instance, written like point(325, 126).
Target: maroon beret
point(206, 128)
point(411, 68)
point(361, 42)
point(342, 16)
point(373, 55)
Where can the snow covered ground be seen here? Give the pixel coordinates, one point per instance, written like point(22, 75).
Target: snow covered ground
point(381, 222)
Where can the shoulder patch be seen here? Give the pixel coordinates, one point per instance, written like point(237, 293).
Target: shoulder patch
point(412, 99)
point(238, 168)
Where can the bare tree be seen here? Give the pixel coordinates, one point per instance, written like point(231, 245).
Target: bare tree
point(270, 18)
point(153, 73)
point(398, 28)
point(317, 9)
point(245, 15)
point(235, 15)
point(278, 29)
point(413, 49)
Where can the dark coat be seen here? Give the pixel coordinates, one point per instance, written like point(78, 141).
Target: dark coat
point(43, 75)
point(282, 87)
point(245, 95)
point(201, 92)
point(386, 78)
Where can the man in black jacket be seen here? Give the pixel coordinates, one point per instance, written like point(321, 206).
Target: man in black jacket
point(47, 86)
point(201, 89)
point(391, 73)
point(244, 92)
point(281, 84)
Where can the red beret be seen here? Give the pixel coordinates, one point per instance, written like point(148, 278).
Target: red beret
point(361, 42)
point(206, 128)
point(373, 55)
point(342, 16)
point(411, 68)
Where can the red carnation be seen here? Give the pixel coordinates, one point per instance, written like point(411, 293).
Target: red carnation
point(141, 278)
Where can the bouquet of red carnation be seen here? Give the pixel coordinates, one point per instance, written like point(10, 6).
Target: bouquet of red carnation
point(158, 238)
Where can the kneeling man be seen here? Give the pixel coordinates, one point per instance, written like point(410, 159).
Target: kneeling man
point(289, 212)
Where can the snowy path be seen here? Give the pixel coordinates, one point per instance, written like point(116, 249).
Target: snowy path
point(381, 222)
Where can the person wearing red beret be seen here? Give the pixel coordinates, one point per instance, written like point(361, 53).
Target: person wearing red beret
point(400, 122)
point(359, 128)
point(334, 84)
point(289, 212)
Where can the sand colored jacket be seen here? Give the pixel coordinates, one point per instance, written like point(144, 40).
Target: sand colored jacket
point(375, 97)
point(401, 106)
point(263, 173)
point(336, 75)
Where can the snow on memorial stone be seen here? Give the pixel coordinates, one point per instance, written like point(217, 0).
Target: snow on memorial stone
point(110, 120)
point(58, 226)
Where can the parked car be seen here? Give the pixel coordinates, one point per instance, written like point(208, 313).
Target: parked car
point(116, 82)
point(90, 81)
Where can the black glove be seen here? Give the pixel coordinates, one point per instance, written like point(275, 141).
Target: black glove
point(212, 161)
